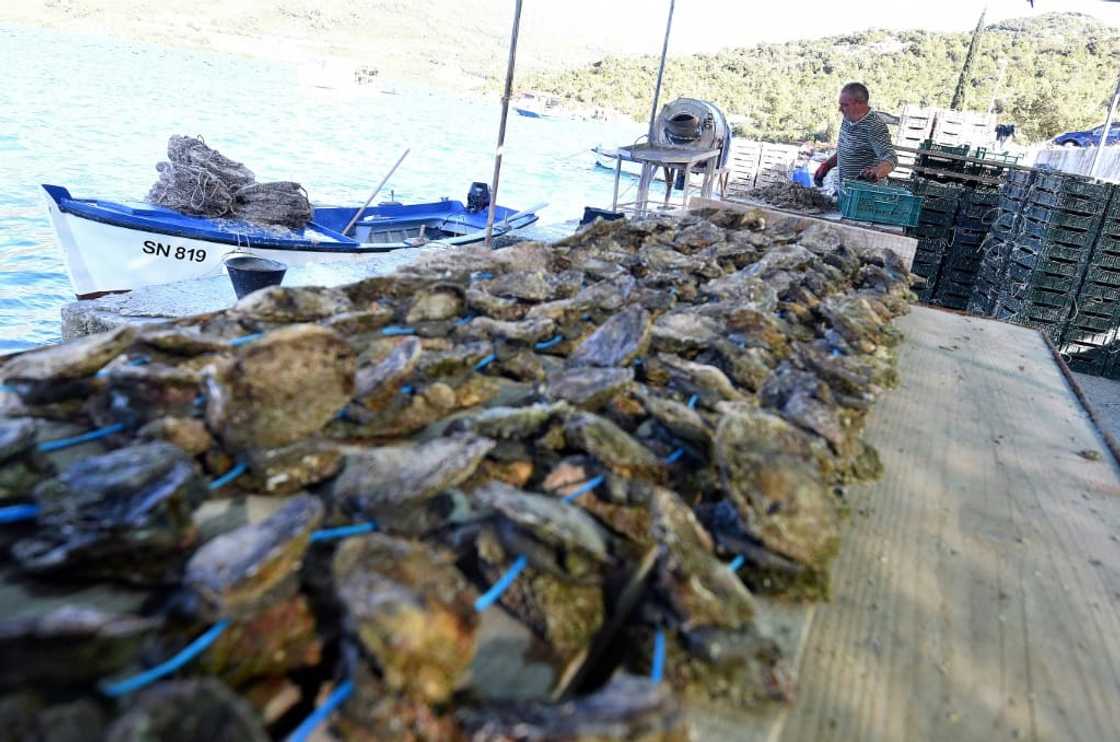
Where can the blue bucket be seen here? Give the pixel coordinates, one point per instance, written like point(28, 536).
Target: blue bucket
point(249, 273)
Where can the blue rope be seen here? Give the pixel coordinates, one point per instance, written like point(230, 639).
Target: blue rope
point(328, 534)
point(235, 471)
point(736, 563)
point(8, 388)
point(546, 344)
point(397, 330)
point(319, 715)
point(93, 435)
point(244, 339)
point(407, 389)
point(657, 670)
point(16, 513)
point(675, 456)
point(693, 400)
point(587, 487)
point(485, 362)
point(491, 596)
point(188, 653)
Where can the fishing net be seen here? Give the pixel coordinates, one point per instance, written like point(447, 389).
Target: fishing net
point(201, 181)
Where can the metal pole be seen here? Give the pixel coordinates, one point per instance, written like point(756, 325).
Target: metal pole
point(502, 126)
point(661, 71)
point(1105, 132)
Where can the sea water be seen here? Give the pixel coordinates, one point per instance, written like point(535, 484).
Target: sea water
point(94, 115)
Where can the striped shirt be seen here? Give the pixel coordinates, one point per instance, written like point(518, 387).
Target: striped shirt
point(863, 144)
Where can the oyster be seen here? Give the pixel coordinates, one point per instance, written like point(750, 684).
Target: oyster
point(617, 342)
point(611, 445)
point(440, 302)
point(293, 304)
point(286, 385)
point(392, 485)
point(71, 645)
point(684, 331)
point(188, 711)
point(125, 515)
point(375, 385)
point(21, 466)
point(768, 470)
point(277, 640)
point(239, 572)
point(588, 387)
point(187, 433)
point(524, 331)
point(628, 708)
point(412, 611)
point(284, 471)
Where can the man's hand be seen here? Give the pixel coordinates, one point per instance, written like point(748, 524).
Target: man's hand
point(822, 171)
point(877, 173)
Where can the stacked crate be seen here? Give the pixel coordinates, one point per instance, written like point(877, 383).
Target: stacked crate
point(1090, 341)
point(934, 231)
point(970, 128)
point(961, 265)
point(1053, 241)
point(996, 249)
point(914, 127)
point(776, 162)
point(743, 166)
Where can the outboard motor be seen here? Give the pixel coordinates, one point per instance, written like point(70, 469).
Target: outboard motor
point(478, 197)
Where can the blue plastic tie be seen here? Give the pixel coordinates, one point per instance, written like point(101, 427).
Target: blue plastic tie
point(244, 339)
point(551, 342)
point(188, 653)
point(657, 670)
point(77, 440)
point(736, 563)
point(586, 487)
point(484, 275)
point(200, 400)
point(397, 330)
point(407, 389)
point(236, 471)
point(465, 320)
point(17, 513)
point(329, 534)
point(491, 596)
point(319, 715)
point(675, 456)
point(693, 400)
point(485, 362)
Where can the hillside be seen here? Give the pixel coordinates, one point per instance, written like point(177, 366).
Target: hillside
point(1048, 74)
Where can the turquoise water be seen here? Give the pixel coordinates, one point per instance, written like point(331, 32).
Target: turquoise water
point(94, 115)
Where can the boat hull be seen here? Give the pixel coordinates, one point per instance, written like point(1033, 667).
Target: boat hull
point(102, 257)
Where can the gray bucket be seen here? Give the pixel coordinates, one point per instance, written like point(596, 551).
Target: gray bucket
point(249, 273)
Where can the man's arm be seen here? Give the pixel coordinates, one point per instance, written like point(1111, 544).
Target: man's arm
point(823, 169)
point(883, 148)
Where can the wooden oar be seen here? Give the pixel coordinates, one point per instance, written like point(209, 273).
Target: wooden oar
point(358, 213)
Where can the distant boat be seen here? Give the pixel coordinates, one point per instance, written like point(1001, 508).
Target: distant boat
point(110, 246)
point(531, 114)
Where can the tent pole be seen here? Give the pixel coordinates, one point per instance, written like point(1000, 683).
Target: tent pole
point(1105, 132)
point(661, 70)
point(502, 126)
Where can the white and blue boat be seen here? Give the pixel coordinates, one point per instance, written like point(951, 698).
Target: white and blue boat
point(111, 246)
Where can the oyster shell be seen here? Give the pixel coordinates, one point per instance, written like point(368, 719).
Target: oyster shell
point(124, 515)
point(239, 572)
point(588, 387)
point(393, 484)
point(617, 342)
point(293, 304)
point(412, 611)
point(611, 445)
point(188, 711)
point(264, 396)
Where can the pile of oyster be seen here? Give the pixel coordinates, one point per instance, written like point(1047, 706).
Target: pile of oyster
point(788, 195)
point(641, 428)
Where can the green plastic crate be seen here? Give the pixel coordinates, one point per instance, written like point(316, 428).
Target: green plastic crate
point(868, 202)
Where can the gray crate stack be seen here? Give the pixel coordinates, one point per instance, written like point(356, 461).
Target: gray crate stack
point(975, 212)
point(1054, 234)
point(1090, 342)
point(995, 252)
point(934, 231)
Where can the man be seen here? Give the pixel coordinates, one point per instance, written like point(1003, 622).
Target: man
point(863, 149)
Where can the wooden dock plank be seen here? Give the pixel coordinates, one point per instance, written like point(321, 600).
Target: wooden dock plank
point(977, 594)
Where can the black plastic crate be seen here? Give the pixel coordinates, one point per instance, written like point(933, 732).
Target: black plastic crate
point(1091, 324)
point(1046, 263)
point(1092, 291)
point(1089, 359)
point(934, 218)
point(1007, 308)
point(1020, 177)
point(1072, 184)
point(1106, 244)
point(962, 235)
point(1104, 276)
point(1059, 218)
point(1067, 202)
point(930, 231)
point(932, 189)
point(1104, 259)
point(1037, 296)
point(1024, 245)
point(1056, 234)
